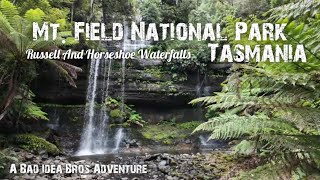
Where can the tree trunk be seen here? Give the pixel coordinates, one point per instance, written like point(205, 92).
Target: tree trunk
point(10, 95)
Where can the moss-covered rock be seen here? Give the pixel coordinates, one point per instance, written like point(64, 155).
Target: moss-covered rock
point(189, 125)
point(167, 133)
point(115, 113)
point(31, 142)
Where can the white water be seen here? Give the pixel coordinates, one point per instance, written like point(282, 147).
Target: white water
point(95, 138)
point(87, 144)
point(118, 137)
point(54, 121)
point(102, 135)
point(203, 140)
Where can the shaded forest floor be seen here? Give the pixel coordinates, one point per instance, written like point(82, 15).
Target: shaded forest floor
point(215, 165)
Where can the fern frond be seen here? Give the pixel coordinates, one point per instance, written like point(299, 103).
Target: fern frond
point(9, 10)
point(5, 24)
point(233, 126)
point(66, 70)
point(294, 10)
point(35, 15)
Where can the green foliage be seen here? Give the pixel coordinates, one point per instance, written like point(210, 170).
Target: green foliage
point(35, 112)
point(116, 113)
point(164, 133)
point(31, 142)
point(17, 72)
point(59, 16)
point(155, 11)
point(245, 8)
point(245, 147)
point(24, 6)
point(136, 119)
point(155, 72)
point(8, 10)
point(189, 125)
point(56, 14)
point(183, 12)
point(35, 15)
point(200, 57)
point(129, 116)
point(275, 3)
point(7, 156)
point(295, 10)
point(169, 132)
point(150, 11)
point(211, 11)
point(273, 107)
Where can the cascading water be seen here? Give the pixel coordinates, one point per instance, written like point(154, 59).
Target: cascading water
point(118, 138)
point(54, 121)
point(87, 145)
point(95, 138)
point(127, 46)
point(119, 135)
point(102, 136)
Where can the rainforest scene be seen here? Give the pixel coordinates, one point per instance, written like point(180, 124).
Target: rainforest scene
point(190, 107)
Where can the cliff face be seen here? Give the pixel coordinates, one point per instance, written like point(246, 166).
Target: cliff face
point(157, 96)
point(145, 84)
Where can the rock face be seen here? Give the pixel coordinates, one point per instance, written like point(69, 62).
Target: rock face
point(157, 95)
point(145, 85)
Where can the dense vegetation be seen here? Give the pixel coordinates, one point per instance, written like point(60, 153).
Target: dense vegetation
point(271, 111)
point(16, 71)
point(17, 108)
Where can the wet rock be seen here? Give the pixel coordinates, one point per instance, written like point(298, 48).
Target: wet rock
point(42, 152)
point(159, 166)
point(27, 177)
point(56, 177)
point(130, 143)
point(155, 176)
point(29, 157)
point(41, 178)
point(162, 163)
point(87, 176)
point(169, 178)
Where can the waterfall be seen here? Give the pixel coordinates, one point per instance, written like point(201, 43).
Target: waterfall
point(102, 135)
point(123, 64)
point(54, 120)
point(118, 137)
point(87, 142)
point(96, 138)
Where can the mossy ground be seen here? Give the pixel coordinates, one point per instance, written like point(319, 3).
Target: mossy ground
point(31, 142)
point(169, 133)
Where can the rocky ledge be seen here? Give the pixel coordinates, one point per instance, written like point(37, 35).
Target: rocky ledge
point(145, 83)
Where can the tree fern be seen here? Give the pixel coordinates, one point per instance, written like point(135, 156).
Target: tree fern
point(35, 15)
point(273, 107)
point(16, 70)
point(8, 10)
